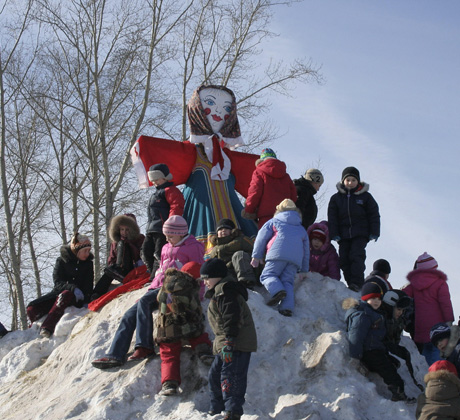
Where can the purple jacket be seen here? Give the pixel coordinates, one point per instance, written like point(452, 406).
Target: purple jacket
point(432, 302)
point(189, 249)
point(324, 261)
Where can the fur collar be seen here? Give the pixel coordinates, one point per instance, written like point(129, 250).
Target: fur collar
point(349, 303)
point(443, 375)
point(364, 188)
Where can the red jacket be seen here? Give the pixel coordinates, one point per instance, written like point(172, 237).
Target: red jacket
point(432, 301)
point(270, 184)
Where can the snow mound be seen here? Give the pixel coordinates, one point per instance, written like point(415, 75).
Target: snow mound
point(301, 370)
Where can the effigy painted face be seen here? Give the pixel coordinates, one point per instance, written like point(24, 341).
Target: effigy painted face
point(217, 105)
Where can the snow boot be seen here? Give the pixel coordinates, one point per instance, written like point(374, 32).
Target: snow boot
point(276, 298)
point(106, 363)
point(141, 353)
point(169, 388)
point(231, 416)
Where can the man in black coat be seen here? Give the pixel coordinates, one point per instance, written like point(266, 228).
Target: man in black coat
point(307, 186)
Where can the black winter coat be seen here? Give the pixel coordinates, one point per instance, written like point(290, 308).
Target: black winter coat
point(70, 273)
point(306, 201)
point(354, 213)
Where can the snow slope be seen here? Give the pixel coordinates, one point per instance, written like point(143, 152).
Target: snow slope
point(301, 370)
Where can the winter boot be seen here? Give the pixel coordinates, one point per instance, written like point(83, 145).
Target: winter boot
point(45, 333)
point(106, 362)
point(114, 272)
point(398, 394)
point(285, 312)
point(276, 298)
point(231, 416)
point(141, 353)
point(169, 388)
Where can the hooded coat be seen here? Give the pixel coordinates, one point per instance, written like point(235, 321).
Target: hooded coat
point(306, 202)
point(429, 289)
point(353, 213)
point(365, 326)
point(134, 240)
point(225, 247)
point(229, 316)
point(284, 238)
point(441, 399)
point(324, 260)
point(270, 185)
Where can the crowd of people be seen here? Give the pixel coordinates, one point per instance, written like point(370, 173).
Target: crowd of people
point(187, 266)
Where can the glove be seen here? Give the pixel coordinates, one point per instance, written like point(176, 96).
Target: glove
point(336, 238)
point(78, 294)
point(373, 238)
point(227, 350)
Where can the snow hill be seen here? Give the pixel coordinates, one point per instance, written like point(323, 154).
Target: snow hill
point(301, 371)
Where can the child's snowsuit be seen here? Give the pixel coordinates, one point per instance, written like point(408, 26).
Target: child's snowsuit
point(139, 317)
point(366, 333)
point(69, 274)
point(325, 260)
point(230, 317)
point(180, 320)
point(441, 399)
point(353, 218)
point(124, 254)
point(429, 289)
point(166, 201)
point(235, 250)
point(287, 248)
point(270, 185)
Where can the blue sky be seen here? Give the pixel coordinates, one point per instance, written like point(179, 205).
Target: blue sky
point(390, 106)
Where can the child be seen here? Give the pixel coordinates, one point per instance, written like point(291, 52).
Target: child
point(441, 399)
point(233, 247)
point(381, 269)
point(307, 186)
point(235, 338)
point(447, 340)
point(124, 252)
point(354, 220)
point(428, 287)
point(165, 202)
point(323, 256)
point(180, 321)
point(285, 241)
point(270, 184)
point(394, 304)
point(73, 277)
point(180, 249)
point(366, 332)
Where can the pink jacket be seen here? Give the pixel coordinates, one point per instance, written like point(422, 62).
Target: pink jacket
point(189, 249)
point(432, 302)
point(324, 261)
point(270, 185)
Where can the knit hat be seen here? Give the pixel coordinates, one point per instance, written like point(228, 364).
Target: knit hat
point(267, 153)
point(213, 268)
point(425, 261)
point(443, 365)
point(225, 224)
point(160, 170)
point(396, 298)
point(79, 242)
point(286, 204)
point(314, 175)
point(192, 268)
point(382, 265)
point(371, 290)
point(175, 225)
point(318, 234)
point(438, 332)
point(350, 171)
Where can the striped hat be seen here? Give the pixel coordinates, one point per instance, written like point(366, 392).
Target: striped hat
point(371, 290)
point(425, 261)
point(175, 225)
point(79, 242)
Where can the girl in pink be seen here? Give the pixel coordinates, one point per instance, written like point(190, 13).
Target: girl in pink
point(180, 249)
point(323, 256)
point(428, 287)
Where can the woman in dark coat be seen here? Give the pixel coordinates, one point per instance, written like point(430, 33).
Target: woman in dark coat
point(73, 284)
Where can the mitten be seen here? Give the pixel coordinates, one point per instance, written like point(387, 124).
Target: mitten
point(227, 350)
point(78, 294)
point(255, 262)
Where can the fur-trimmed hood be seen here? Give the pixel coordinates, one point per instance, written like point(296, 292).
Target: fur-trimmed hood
point(449, 384)
point(349, 303)
point(424, 277)
point(117, 221)
point(360, 189)
point(323, 227)
point(215, 240)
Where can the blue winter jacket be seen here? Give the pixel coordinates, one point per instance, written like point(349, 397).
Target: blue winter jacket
point(284, 238)
point(366, 329)
point(353, 213)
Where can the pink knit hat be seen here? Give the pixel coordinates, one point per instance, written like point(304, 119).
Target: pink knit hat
point(175, 225)
point(425, 261)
